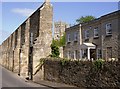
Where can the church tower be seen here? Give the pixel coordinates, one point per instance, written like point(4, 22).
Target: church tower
point(47, 1)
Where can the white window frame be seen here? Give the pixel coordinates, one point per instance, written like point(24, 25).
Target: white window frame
point(75, 36)
point(69, 54)
point(68, 38)
point(86, 34)
point(76, 54)
point(96, 32)
point(108, 29)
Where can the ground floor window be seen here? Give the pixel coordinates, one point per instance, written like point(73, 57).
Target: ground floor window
point(84, 53)
point(73, 54)
point(76, 54)
point(69, 55)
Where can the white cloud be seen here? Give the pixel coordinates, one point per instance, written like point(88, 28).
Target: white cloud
point(23, 11)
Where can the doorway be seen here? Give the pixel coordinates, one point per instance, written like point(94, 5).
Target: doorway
point(93, 54)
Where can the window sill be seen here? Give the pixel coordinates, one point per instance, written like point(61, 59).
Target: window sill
point(68, 42)
point(96, 37)
point(75, 40)
point(108, 35)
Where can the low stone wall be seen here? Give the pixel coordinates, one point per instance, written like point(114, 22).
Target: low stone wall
point(82, 73)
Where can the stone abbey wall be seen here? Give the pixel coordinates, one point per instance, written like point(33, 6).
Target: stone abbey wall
point(83, 74)
point(31, 41)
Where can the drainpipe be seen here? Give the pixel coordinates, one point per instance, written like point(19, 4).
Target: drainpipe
point(80, 41)
point(102, 47)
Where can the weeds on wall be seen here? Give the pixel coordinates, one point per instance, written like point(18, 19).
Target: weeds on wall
point(98, 64)
point(39, 66)
point(64, 61)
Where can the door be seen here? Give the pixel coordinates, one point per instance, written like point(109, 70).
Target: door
point(92, 54)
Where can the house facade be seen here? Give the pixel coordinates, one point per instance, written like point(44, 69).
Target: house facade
point(73, 41)
point(98, 39)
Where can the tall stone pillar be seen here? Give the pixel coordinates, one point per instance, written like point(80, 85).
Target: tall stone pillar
point(25, 50)
point(41, 48)
point(17, 61)
point(13, 52)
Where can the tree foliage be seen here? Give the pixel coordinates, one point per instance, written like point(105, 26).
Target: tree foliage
point(84, 19)
point(55, 46)
point(61, 41)
point(54, 49)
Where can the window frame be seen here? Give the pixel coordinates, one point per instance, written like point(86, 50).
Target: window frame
point(108, 29)
point(87, 33)
point(75, 36)
point(69, 54)
point(75, 54)
point(68, 38)
point(96, 31)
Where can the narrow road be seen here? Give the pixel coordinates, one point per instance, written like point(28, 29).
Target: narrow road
point(10, 79)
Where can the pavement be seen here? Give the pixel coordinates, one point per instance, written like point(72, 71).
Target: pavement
point(9, 79)
point(13, 81)
point(55, 85)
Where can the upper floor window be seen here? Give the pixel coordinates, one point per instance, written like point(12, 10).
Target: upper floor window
point(109, 29)
point(96, 32)
point(75, 36)
point(68, 38)
point(87, 34)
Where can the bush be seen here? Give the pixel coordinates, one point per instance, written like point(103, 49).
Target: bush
point(99, 63)
point(64, 61)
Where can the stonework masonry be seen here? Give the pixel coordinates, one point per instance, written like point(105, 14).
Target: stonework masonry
point(82, 74)
point(21, 51)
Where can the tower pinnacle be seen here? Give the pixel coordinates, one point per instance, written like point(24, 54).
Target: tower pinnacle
point(47, 1)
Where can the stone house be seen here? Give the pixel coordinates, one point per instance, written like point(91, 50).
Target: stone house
point(73, 42)
point(22, 50)
point(96, 39)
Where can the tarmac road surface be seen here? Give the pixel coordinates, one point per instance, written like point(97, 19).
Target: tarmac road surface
point(10, 80)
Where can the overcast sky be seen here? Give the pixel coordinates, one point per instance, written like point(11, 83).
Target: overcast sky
point(14, 13)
